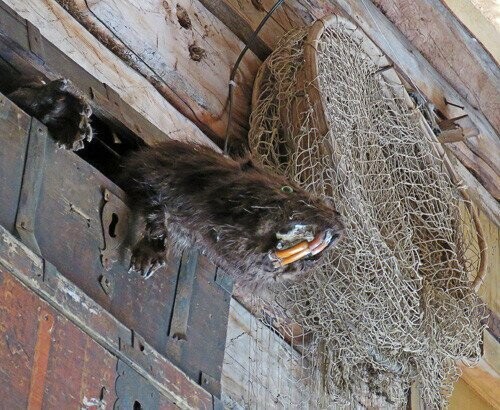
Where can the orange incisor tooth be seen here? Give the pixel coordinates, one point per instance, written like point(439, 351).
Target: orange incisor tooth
point(295, 257)
point(302, 249)
point(286, 253)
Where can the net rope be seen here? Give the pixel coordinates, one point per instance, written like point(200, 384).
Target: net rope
point(392, 304)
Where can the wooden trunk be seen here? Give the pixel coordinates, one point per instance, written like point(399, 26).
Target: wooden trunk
point(107, 329)
point(76, 219)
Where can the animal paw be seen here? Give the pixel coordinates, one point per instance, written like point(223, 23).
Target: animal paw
point(147, 257)
point(66, 114)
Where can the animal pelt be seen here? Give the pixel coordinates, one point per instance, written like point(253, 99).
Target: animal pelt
point(231, 209)
point(65, 113)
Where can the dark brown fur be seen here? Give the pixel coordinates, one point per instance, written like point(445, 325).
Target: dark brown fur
point(228, 208)
point(195, 197)
point(64, 113)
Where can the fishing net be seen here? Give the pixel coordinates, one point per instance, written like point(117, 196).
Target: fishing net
point(393, 304)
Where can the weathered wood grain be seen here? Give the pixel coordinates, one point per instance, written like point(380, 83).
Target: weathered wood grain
point(445, 43)
point(464, 397)
point(478, 194)
point(479, 168)
point(243, 17)
point(45, 360)
point(478, 22)
point(484, 380)
point(80, 47)
point(182, 49)
point(67, 299)
point(14, 131)
point(491, 349)
point(490, 290)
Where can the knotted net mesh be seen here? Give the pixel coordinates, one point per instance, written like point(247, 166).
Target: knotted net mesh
point(392, 305)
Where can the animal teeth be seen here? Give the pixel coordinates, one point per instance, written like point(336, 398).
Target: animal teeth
point(304, 248)
point(300, 247)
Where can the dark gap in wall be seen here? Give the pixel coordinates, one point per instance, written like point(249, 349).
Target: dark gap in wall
point(110, 144)
point(108, 148)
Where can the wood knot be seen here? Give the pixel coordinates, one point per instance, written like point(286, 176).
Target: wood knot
point(258, 5)
point(183, 17)
point(196, 53)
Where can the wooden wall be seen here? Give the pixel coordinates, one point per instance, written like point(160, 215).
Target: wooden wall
point(176, 75)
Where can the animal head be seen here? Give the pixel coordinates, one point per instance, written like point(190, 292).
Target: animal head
point(281, 229)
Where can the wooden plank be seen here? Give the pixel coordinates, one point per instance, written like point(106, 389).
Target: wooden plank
point(100, 325)
point(190, 51)
point(236, 16)
point(17, 344)
point(203, 349)
point(24, 65)
point(479, 168)
point(15, 127)
point(490, 289)
point(40, 359)
point(485, 381)
point(260, 370)
point(38, 344)
point(472, 17)
point(478, 194)
point(68, 368)
point(465, 398)
point(452, 50)
point(80, 47)
point(491, 351)
point(134, 392)
point(243, 17)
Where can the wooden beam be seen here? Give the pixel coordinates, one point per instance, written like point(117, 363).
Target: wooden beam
point(475, 18)
point(465, 397)
point(182, 49)
point(478, 194)
point(260, 369)
point(243, 17)
point(490, 289)
point(491, 349)
point(451, 49)
point(236, 17)
point(42, 24)
point(479, 168)
point(484, 380)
